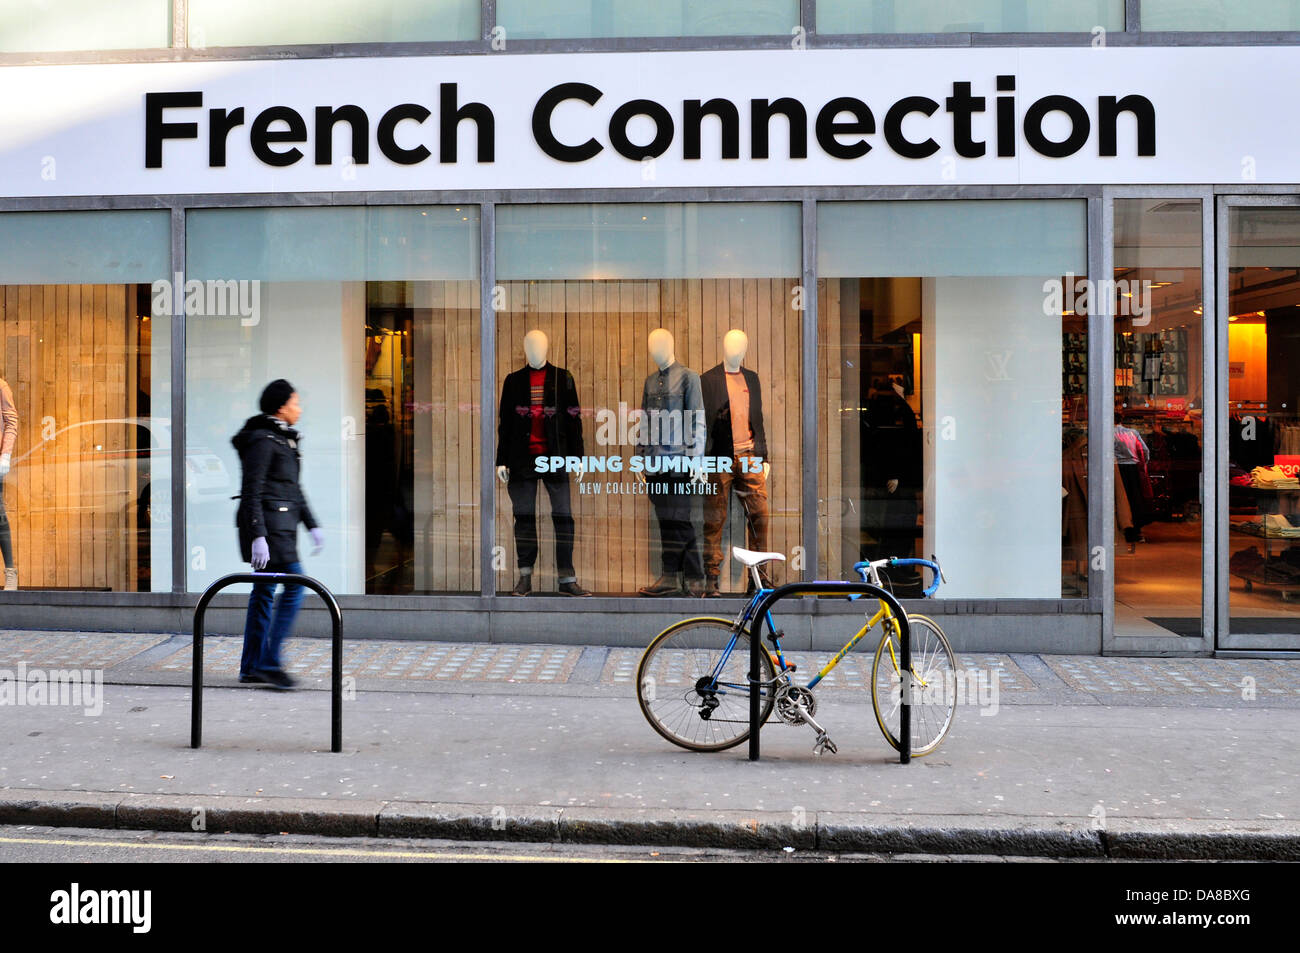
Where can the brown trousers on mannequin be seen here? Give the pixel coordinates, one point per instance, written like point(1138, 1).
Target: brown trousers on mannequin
point(751, 489)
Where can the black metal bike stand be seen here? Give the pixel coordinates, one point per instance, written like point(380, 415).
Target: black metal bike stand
point(336, 660)
point(831, 588)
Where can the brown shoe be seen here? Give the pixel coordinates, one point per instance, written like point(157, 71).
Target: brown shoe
point(669, 584)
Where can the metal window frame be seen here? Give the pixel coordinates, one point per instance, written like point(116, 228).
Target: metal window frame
point(1227, 199)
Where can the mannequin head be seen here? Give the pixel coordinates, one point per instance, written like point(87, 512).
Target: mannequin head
point(661, 347)
point(535, 346)
point(734, 346)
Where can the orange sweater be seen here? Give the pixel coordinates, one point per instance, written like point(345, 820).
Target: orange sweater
point(9, 419)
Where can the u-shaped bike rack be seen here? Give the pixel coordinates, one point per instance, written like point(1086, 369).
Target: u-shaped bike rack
point(336, 661)
point(831, 588)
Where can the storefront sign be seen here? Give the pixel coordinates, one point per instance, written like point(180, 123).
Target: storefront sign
point(650, 120)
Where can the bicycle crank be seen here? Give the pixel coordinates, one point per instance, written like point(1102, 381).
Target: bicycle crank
point(795, 706)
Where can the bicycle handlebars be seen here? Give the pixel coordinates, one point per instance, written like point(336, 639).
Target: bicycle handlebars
point(862, 569)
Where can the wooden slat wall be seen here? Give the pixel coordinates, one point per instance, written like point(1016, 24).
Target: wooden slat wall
point(69, 354)
point(598, 330)
point(449, 560)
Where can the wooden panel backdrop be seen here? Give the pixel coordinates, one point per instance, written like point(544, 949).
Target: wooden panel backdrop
point(70, 355)
point(830, 401)
point(598, 330)
point(447, 373)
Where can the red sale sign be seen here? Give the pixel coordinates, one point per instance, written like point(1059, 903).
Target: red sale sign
point(1289, 462)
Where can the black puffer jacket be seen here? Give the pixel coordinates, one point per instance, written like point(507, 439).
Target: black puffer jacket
point(271, 502)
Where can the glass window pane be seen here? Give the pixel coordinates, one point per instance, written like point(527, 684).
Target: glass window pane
point(372, 314)
point(32, 26)
point(614, 292)
point(1216, 15)
point(85, 401)
point(970, 16)
point(1263, 426)
point(953, 393)
point(1159, 416)
point(289, 22)
point(536, 19)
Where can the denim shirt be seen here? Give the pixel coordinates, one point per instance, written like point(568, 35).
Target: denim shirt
point(678, 427)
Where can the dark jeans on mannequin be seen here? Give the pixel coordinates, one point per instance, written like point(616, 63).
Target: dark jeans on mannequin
point(523, 501)
point(681, 552)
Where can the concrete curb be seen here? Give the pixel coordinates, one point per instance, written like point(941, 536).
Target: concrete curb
point(1134, 839)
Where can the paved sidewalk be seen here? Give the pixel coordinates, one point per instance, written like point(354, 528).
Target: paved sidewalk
point(1080, 756)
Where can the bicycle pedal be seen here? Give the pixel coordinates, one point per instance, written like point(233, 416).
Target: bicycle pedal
point(824, 745)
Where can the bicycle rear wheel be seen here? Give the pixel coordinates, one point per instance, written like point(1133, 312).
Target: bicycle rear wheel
point(934, 669)
point(693, 684)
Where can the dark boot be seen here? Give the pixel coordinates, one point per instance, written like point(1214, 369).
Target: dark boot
point(695, 588)
point(524, 586)
point(669, 584)
point(572, 589)
point(711, 587)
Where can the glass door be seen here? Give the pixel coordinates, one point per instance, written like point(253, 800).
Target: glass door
point(1258, 400)
point(1160, 442)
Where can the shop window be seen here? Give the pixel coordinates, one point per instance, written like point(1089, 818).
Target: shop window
point(372, 314)
point(663, 426)
point(84, 402)
point(35, 26)
point(1262, 425)
point(952, 401)
point(970, 16)
point(1220, 15)
point(540, 19)
point(289, 22)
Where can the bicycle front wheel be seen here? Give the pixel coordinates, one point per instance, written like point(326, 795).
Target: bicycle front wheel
point(934, 674)
point(693, 684)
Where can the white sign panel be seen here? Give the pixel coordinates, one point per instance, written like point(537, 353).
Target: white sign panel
point(653, 120)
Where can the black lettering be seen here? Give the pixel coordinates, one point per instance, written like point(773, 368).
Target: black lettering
point(828, 127)
point(1080, 126)
point(894, 127)
point(388, 128)
point(359, 125)
point(1144, 113)
point(963, 105)
point(693, 113)
point(1006, 118)
point(760, 116)
point(155, 130)
point(542, 133)
point(449, 118)
point(261, 135)
point(220, 122)
point(640, 107)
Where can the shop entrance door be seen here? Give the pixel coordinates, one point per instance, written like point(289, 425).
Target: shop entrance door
point(1160, 520)
point(1258, 406)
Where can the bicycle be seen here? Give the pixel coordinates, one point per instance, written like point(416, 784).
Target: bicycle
point(709, 656)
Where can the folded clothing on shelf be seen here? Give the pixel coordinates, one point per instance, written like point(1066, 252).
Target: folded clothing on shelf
point(1273, 478)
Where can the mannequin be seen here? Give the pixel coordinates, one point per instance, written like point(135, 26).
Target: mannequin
point(539, 417)
point(733, 411)
point(8, 437)
point(673, 431)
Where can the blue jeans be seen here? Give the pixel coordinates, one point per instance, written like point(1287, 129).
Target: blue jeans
point(264, 632)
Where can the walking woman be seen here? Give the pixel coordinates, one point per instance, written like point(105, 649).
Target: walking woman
point(271, 505)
